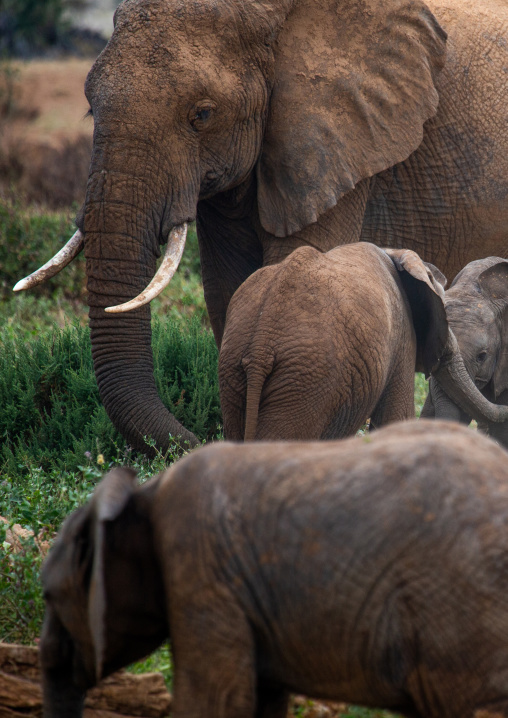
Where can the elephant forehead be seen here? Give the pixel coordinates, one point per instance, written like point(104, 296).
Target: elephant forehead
point(173, 25)
point(472, 309)
point(142, 65)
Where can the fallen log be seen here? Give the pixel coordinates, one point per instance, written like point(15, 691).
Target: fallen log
point(122, 695)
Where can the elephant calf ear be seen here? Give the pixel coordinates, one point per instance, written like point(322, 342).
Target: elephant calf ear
point(424, 285)
point(109, 500)
point(494, 285)
point(354, 84)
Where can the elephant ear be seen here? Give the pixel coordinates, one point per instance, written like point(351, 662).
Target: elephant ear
point(494, 285)
point(424, 285)
point(109, 501)
point(354, 83)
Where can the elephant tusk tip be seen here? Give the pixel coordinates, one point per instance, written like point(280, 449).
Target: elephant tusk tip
point(22, 284)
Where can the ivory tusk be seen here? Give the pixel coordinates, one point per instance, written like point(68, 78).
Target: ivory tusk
point(163, 276)
point(55, 264)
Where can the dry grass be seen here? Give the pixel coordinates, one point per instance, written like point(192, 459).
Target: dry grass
point(45, 139)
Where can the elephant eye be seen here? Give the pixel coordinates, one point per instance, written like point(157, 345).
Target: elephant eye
point(481, 357)
point(201, 113)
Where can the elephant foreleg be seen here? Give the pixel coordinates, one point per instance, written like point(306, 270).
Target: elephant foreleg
point(272, 701)
point(230, 251)
point(215, 674)
point(428, 410)
point(397, 400)
point(498, 432)
point(444, 407)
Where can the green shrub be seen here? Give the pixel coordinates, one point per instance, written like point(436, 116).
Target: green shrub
point(28, 240)
point(51, 411)
point(21, 602)
point(421, 391)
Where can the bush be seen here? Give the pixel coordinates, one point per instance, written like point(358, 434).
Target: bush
point(29, 239)
point(51, 411)
point(21, 603)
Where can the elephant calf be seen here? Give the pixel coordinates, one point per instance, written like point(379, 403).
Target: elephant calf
point(372, 571)
point(477, 310)
point(319, 343)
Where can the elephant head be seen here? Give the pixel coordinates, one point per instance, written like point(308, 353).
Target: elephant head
point(96, 621)
point(477, 311)
point(438, 352)
point(253, 117)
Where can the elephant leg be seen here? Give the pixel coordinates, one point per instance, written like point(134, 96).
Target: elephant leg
point(444, 407)
point(397, 400)
point(428, 409)
point(214, 656)
point(230, 251)
point(498, 432)
point(272, 701)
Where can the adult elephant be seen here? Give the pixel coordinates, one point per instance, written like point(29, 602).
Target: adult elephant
point(275, 124)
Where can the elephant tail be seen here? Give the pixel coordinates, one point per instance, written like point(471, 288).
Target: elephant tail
point(256, 377)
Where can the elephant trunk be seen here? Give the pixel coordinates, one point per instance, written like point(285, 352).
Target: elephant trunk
point(453, 378)
point(121, 248)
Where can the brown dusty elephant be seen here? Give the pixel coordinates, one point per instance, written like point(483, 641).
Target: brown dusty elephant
point(276, 124)
point(318, 343)
point(370, 570)
point(477, 311)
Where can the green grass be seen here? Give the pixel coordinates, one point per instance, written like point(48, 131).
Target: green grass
point(52, 416)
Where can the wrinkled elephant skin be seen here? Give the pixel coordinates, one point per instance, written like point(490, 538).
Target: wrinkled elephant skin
point(277, 124)
point(319, 343)
point(366, 570)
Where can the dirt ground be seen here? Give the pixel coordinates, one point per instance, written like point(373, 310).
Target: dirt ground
point(45, 136)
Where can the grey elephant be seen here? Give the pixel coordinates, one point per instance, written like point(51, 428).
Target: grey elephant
point(370, 570)
point(276, 124)
point(477, 310)
point(317, 344)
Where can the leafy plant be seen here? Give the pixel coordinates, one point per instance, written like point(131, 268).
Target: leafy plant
point(29, 239)
point(421, 391)
point(21, 603)
point(51, 410)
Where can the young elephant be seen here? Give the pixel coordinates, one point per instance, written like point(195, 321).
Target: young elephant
point(319, 343)
point(477, 310)
point(371, 571)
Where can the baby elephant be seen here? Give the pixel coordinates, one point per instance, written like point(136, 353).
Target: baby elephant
point(477, 310)
point(317, 344)
point(372, 571)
